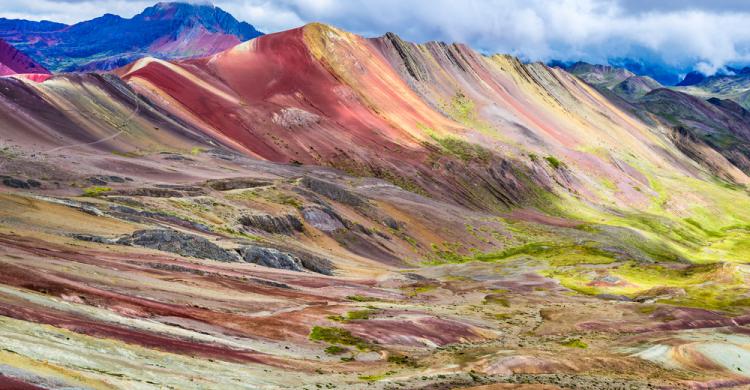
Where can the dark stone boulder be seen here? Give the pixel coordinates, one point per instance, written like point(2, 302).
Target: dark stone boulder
point(614, 297)
point(101, 180)
point(286, 224)
point(333, 191)
point(177, 157)
point(195, 246)
point(316, 264)
point(180, 243)
point(236, 184)
point(269, 257)
point(323, 218)
point(391, 223)
point(275, 258)
point(94, 238)
point(12, 182)
point(96, 181)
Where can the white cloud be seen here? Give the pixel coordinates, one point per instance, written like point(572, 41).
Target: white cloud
point(689, 33)
point(682, 34)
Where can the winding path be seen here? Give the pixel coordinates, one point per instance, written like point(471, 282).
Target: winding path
point(121, 126)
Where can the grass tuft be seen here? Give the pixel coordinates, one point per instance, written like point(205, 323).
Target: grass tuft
point(339, 336)
point(95, 191)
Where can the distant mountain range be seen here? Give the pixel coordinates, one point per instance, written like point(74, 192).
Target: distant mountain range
point(733, 85)
point(664, 74)
point(655, 69)
point(622, 82)
point(712, 111)
point(165, 30)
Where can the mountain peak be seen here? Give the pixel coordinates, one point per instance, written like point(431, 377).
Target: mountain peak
point(607, 76)
point(212, 18)
point(176, 10)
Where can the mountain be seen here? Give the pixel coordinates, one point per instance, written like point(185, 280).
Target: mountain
point(312, 208)
point(635, 87)
point(720, 124)
point(692, 78)
point(645, 62)
point(13, 61)
point(718, 127)
point(600, 75)
point(641, 61)
point(619, 81)
point(734, 86)
point(165, 30)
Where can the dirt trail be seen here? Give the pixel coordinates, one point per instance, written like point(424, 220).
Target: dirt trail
point(122, 127)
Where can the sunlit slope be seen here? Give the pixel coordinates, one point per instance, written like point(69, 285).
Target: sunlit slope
point(89, 113)
point(422, 116)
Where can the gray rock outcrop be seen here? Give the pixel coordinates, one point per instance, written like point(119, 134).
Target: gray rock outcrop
point(269, 257)
point(323, 219)
point(180, 243)
point(286, 224)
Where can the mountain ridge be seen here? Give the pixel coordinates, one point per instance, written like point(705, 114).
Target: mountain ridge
point(165, 30)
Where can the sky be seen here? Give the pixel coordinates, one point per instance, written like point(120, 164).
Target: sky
point(686, 34)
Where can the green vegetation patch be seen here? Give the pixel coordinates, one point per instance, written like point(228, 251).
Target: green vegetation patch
point(496, 299)
point(363, 298)
point(557, 253)
point(338, 336)
point(270, 195)
point(335, 350)
point(708, 286)
point(448, 252)
point(236, 233)
point(416, 290)
point(554, 162)
point(463, 150)
point(462, 107)
point(95, 191)
point(463, 110)
point(402, 360)
point(354, 315)
point(371, 378)
point(574, 343)
point(8, 153)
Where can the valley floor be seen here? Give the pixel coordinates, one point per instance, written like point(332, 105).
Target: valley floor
point(82, 308)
